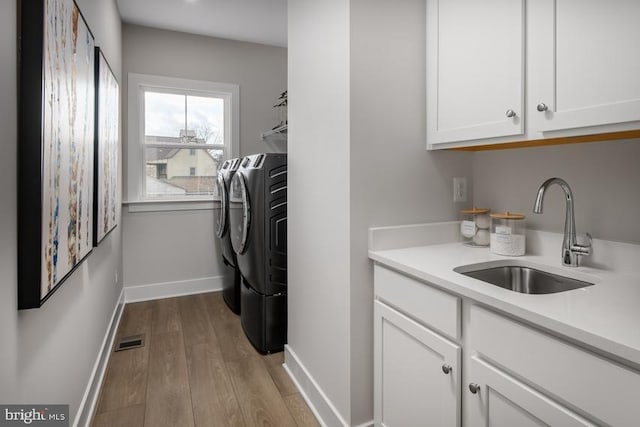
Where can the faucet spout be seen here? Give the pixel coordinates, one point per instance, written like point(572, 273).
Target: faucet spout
point(570, 248)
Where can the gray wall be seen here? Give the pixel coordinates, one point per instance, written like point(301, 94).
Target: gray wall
point(259, 70)
point(604, 177)
point(176, 246)
point(363, 60)
point(394, 180)
point(318, 194)
point(169, 246)
point(47, 354)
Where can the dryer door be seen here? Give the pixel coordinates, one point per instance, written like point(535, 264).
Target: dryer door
point(221, 214)
point(239, 213)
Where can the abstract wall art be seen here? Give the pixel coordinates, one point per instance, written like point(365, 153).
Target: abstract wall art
point(107, 150)
point(55, 147)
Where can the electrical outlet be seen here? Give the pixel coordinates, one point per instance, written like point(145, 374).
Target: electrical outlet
point(460, 189)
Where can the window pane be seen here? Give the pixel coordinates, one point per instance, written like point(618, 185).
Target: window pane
point(176, 172)
point(164, 117)
point(205, 118)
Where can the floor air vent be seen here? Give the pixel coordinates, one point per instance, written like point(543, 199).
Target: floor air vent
point(127, 343)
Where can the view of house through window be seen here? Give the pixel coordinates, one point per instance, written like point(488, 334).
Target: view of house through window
point(184, 143)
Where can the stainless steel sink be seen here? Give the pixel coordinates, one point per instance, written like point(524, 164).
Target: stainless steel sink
point(525, 280)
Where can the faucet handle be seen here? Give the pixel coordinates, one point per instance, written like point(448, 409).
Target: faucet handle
point(583, 249)
point(590, 239)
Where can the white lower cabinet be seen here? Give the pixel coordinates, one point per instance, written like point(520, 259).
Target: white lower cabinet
point(489, 371)
point(499, 400)
point(417, 380)
point(602, 390)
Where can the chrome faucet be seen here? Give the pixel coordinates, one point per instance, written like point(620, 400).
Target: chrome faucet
point(571, 250)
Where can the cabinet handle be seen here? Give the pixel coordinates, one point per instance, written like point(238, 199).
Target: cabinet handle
point(542, 107)
point(446, 369)
point(510, 113)
point(474, 388)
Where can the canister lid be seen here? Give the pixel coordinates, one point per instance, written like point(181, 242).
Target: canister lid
point(507, 215)
point(475, 211)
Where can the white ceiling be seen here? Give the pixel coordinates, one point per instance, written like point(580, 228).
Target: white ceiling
point(258, 21)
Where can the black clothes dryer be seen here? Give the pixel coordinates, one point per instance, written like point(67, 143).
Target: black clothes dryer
point(231, 273)
point(258, 226)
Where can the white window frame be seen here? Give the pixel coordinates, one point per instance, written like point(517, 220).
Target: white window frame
point(136, 175)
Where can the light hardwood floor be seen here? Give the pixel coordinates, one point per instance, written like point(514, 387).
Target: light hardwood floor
point(197, 368)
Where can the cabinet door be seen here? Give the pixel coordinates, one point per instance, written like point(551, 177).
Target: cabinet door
point(411, 387)
point(585, 63)
point(475, 69)
point(503, 401)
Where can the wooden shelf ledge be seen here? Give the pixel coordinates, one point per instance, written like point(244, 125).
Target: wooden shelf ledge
point(611, 136)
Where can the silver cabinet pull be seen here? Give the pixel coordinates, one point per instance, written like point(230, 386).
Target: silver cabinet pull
point(542, 107)
point(510, 113)
point(446, 369)
point(474, 388)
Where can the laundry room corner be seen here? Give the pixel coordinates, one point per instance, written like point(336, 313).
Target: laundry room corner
point(172, 249)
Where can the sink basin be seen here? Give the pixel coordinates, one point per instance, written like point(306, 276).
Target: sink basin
point(523, 279)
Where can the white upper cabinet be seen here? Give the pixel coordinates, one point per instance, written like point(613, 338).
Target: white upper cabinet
point(475, 69)
point(585, 56)
point(559, 67)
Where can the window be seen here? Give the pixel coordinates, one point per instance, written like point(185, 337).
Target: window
point(181, 131)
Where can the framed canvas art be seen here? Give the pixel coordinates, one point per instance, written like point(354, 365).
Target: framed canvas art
point(55, 146)
point(107, 150)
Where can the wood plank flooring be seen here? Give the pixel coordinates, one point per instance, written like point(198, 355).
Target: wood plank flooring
point(197, 368)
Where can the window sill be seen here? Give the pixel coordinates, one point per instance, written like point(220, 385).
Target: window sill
point(137, 206)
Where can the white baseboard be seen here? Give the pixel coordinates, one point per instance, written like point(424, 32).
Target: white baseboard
point(172, 289)
point(318, 402)
point(91, 394)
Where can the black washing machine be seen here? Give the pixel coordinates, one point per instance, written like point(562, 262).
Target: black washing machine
point(231, 274)
point(258, 227)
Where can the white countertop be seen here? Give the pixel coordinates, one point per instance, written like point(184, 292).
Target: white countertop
point(605, 316)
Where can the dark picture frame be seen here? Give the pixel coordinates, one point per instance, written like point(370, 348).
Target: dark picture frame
point(106, 150)
point(55, 146)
